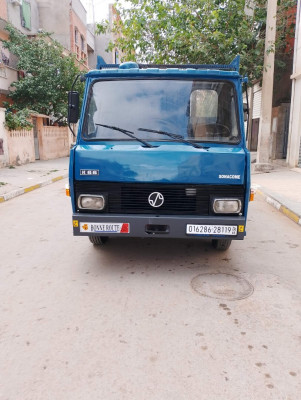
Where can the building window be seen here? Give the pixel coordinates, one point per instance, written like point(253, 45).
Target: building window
point(82, 43)
point(26, 15)
point(76, 36)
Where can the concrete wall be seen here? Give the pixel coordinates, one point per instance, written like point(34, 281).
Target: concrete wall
point(91, 46)
point(53, 141)
point(54, 17)
point(90, 37)
point(3, 9)
point(4, 158)
point(8, 73)
point(14, 17)
point(280, 116)
point(294, 139)
point(101, 43)
point(299, 161)
point(7, 76)
point(20, 147)
point(80, 10)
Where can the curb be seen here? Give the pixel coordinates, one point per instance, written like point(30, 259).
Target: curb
point(280, 207)
point(28, 189)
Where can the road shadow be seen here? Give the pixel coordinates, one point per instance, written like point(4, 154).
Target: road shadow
point(163, 255)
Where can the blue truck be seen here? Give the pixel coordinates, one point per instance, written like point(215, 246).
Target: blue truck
point(160, 152)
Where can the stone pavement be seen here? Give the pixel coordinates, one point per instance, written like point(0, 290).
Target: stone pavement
point(281, 187)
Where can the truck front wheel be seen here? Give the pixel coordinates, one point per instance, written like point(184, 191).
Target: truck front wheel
point(98, 240)
point(221, 244)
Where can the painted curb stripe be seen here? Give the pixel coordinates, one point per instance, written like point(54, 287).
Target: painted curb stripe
point(18, 192)
point(58, 178)
point(290, 214)
point(280, 207)
point(30, 188)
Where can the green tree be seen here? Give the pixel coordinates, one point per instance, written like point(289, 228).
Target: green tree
point(48, 74)
point(196, 31)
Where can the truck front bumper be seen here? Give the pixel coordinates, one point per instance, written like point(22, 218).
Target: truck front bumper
point(145, 226)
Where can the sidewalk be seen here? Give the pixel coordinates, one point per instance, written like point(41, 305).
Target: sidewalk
point(18, 180)
point(280, 187)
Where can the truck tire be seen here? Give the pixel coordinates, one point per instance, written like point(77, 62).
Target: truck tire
point(98, 240)
point(221, 244)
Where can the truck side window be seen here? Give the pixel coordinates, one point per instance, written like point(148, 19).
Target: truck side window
point(213, 113)
point(91, 127)
point(203, 112)
point(204, 105)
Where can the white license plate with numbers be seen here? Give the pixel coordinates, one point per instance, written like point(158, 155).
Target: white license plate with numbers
point(216, 230)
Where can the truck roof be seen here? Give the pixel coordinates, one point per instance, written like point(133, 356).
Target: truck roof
point(133, 69)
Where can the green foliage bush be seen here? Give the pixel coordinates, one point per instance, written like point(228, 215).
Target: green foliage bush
point(199, 31)
point(48, 75)
point(18, 120)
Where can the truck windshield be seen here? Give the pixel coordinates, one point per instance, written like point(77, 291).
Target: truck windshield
point(199, 111)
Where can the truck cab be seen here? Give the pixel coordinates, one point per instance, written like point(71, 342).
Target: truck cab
point(160, 152)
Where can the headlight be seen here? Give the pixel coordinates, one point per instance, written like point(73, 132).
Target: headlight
point(91, 202)
point(227, 206)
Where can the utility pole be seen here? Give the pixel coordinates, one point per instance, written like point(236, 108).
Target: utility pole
point(264, 139)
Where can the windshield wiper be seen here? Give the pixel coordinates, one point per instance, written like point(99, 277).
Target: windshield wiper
point(126, 132)
point(176, 137)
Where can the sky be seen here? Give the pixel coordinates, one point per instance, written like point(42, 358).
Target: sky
point(101, 9)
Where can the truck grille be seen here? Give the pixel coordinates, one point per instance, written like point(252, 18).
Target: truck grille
point(179, 199)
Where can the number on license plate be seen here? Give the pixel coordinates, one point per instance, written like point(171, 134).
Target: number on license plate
point(216, 230)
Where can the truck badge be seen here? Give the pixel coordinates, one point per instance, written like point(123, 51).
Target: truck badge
point(156, 199)
point(89, 172)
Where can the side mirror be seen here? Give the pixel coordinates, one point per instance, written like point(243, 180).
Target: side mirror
point(246, 111)
point(73, 107)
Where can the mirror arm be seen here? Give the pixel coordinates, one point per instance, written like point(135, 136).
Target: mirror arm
point(72, 87)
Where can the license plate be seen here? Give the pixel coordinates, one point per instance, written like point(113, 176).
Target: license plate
point(216, 230)
point(108, 227)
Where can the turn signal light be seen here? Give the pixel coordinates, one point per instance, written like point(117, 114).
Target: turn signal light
point(67, 190)
point(252, 194)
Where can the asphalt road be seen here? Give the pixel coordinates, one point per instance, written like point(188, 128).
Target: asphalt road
point(146, 319)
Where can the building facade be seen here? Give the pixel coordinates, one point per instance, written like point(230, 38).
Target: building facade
point(66, 20)
point(294, 140)
point(23, 15)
